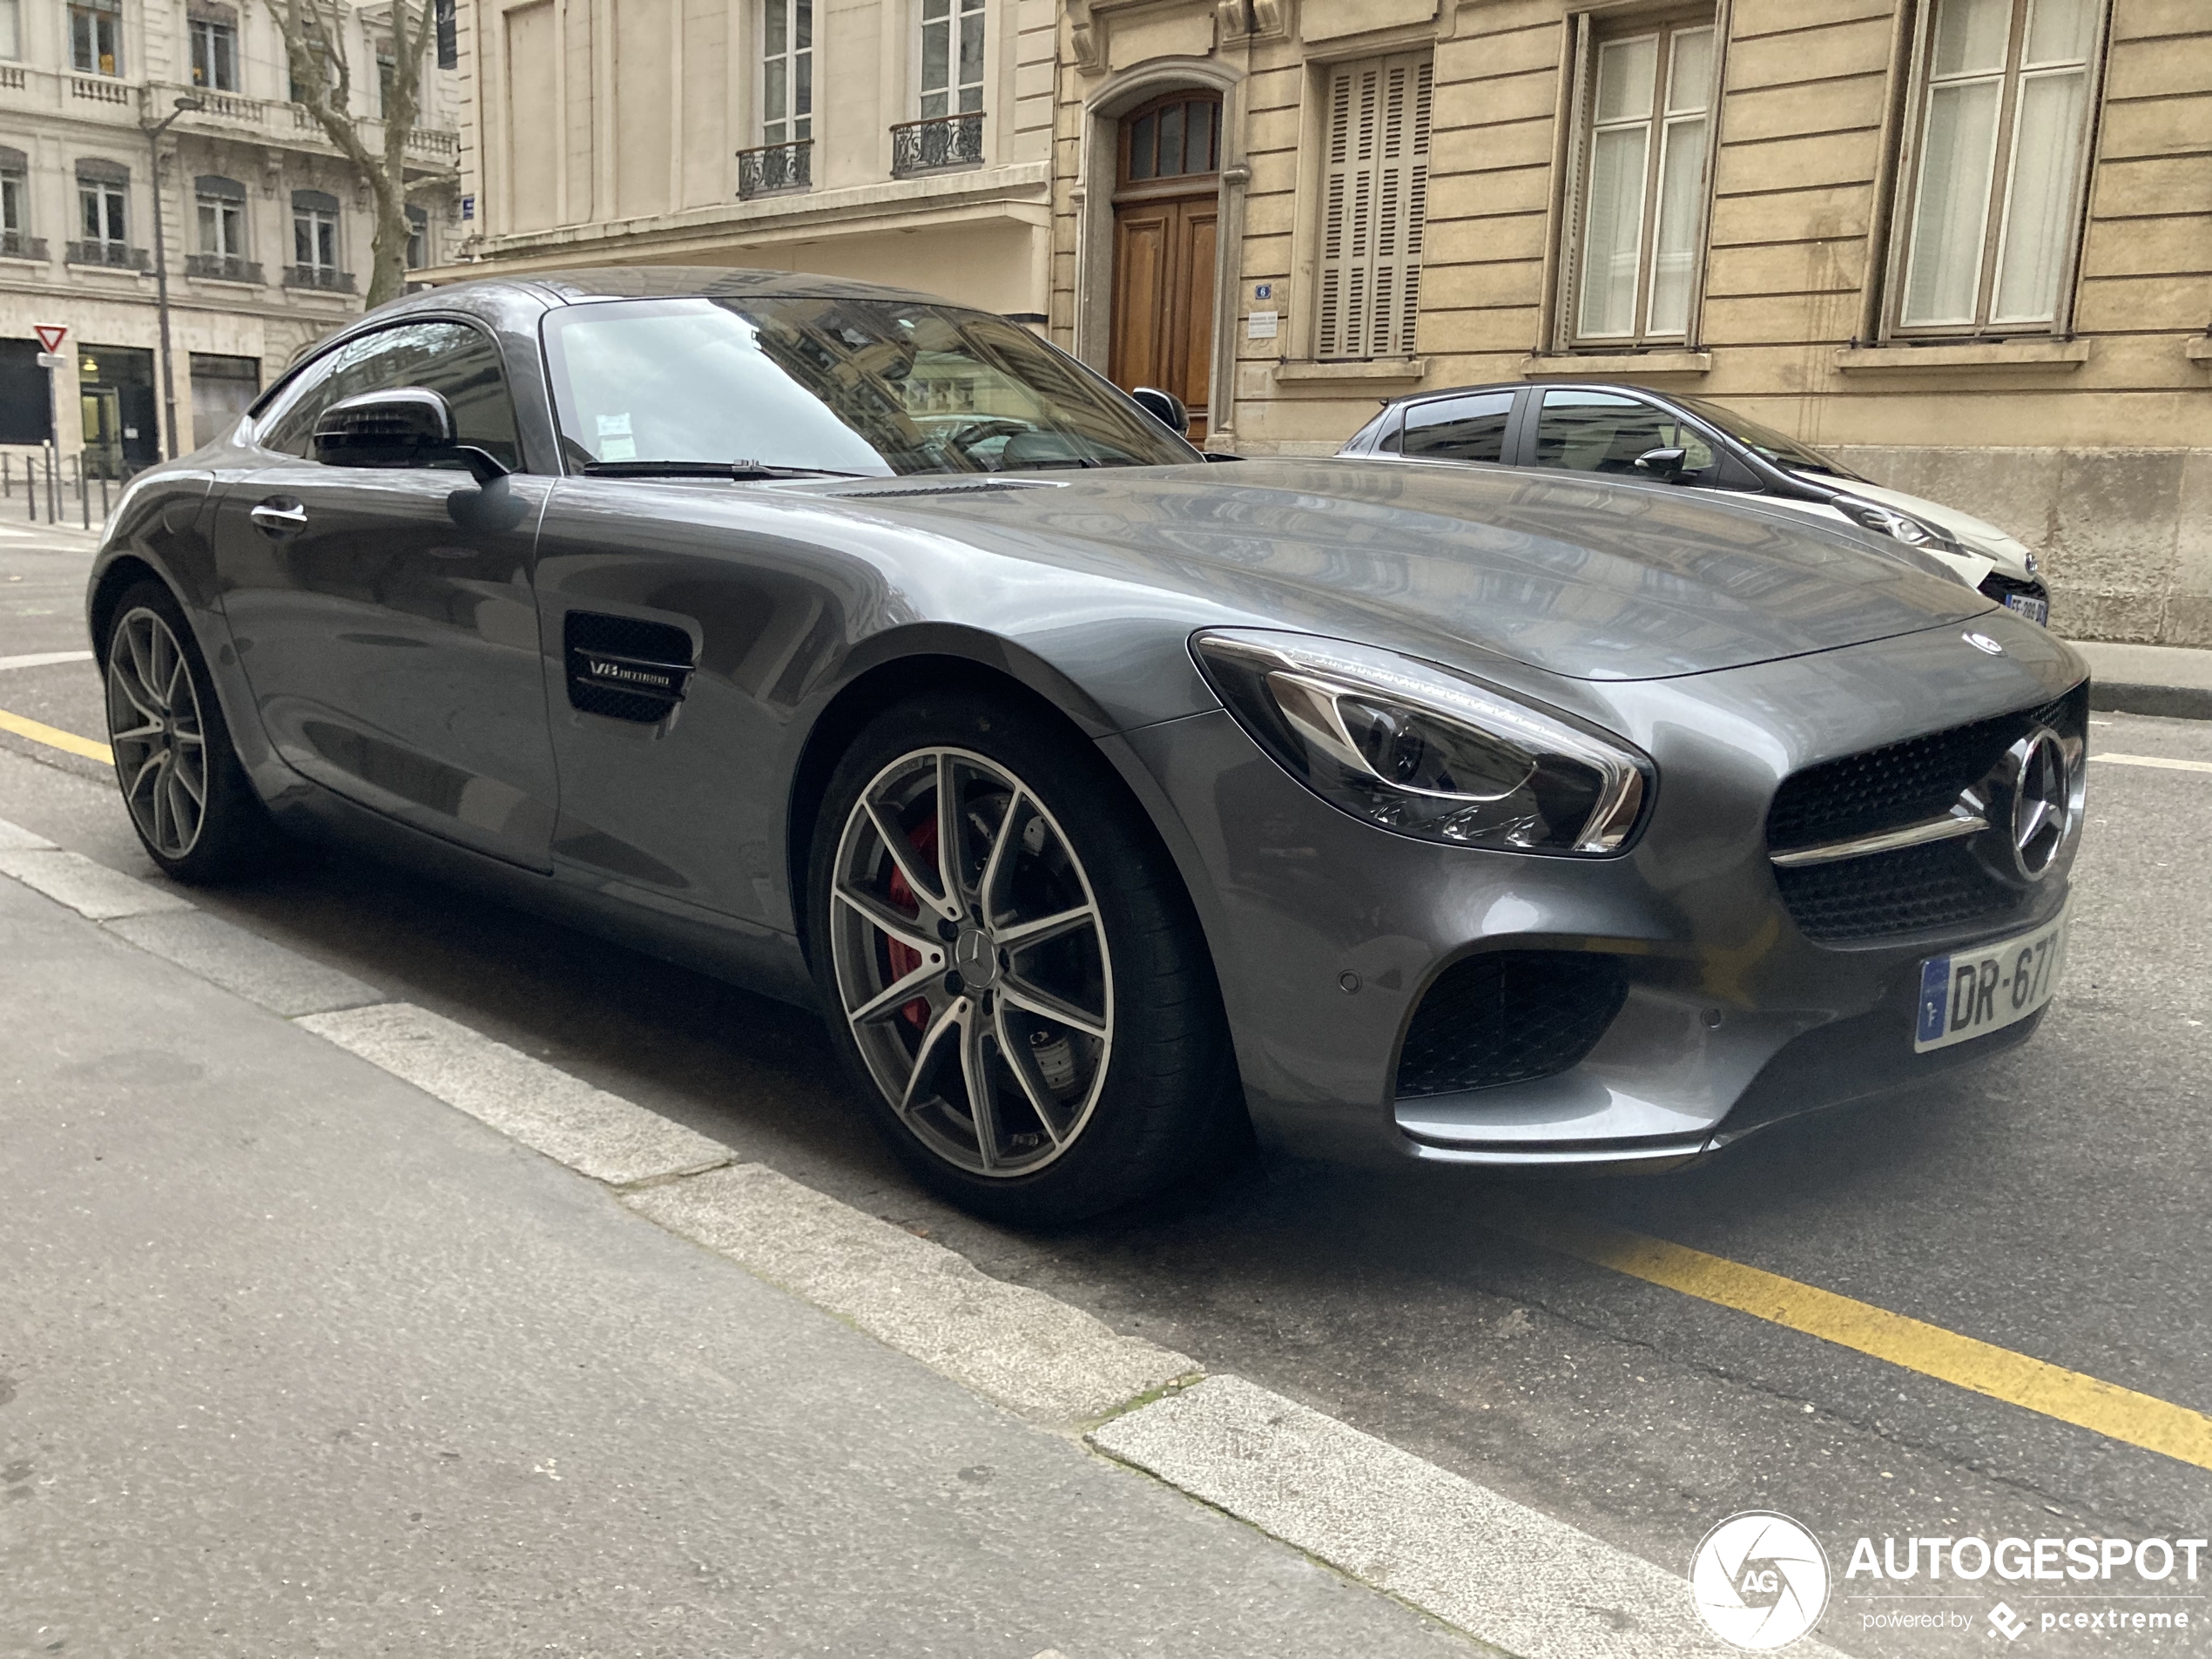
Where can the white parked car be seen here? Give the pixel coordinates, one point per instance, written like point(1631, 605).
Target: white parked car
point(1691, 442)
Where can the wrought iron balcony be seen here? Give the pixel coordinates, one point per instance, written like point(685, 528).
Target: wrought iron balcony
point(118, 255)
point(14, 245)
point(323, 277)
point(222, 267)
point(775, 166)
point(939, 143)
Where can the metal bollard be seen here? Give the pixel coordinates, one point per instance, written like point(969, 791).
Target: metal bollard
point(103, 496)
point(84, 493)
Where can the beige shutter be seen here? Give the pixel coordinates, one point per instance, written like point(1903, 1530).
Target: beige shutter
point(1374, 198)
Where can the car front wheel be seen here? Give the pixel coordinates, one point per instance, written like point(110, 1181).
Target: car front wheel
point(1011, 965)
point(187, 795)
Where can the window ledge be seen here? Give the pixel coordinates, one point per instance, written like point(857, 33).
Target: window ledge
point(2063, 355)
point(1616, 365)
point(1403, 369)
point(2200, 350)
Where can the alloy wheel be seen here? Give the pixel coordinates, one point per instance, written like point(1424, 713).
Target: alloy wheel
point(154, 727)
point(971, 961)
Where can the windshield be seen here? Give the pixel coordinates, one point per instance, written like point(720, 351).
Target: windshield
point(1765, 441)
point(867, 387)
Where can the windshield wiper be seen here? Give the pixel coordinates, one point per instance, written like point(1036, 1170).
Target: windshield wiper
point(741, 471)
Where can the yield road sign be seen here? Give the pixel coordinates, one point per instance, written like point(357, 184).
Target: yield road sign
point(51, 336)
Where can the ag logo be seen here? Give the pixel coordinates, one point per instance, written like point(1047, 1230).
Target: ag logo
point(1760, 1581)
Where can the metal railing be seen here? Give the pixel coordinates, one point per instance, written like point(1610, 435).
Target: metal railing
point(222, 267)
point(775, 166)
point(322, 277)
point(14, 245)
point(117, 255)
point(936, 144)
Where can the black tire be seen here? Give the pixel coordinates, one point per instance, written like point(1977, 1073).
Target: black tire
point(151, 725)
point(1161, 1103)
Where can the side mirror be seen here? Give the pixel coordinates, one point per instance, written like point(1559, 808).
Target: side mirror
point(1165, 408)
point(410, 426)
point(1663, 463)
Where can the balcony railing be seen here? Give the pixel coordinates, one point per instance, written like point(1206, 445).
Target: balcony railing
point(775, 166)
point(230, 107)
point(222, 267)
point(322, 277)
point(14, 245)
point(940, 141)
point(101, 90)
point(117, 255)
point(10, 78)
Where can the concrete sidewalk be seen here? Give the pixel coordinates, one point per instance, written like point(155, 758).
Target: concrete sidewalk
point(295, 1359)
point(2173, 680)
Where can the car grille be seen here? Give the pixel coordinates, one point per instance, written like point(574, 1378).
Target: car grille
point(1509, 1017)
point(1913, 889)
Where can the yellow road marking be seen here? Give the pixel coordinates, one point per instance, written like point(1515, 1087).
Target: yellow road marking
point(54, 738)
point(2157, 760)
point(2032, 1385)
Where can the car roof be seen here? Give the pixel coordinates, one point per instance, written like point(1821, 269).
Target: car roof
point(1625, 387)
point(689, 281)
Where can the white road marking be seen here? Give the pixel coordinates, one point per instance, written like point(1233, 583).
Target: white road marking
point(1498, 1570)
point(92, 890)
point(2155, 760)
point(45, 658)
point(1019, 1346)
point(593, 1132)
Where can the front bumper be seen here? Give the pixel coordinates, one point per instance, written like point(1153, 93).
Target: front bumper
point(1327, 932)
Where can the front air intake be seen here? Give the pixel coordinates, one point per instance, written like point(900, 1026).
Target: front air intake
point(1509, 1017)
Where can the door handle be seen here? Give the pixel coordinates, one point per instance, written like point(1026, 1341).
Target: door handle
point(279, 518)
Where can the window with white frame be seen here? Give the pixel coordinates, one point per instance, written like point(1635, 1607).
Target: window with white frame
point(221, 205)
point(1374, 205)
point(14, 202)
point(11, 29)
point(786, 72)
point(1646, 146)
point(952, 58)
point(2000, 133)
point(95, 37)
point(418, 237)
point(314, 234)
point(103, 206)
point(214, 54)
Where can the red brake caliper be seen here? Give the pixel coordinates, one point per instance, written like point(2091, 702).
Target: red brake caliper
point(905, 958)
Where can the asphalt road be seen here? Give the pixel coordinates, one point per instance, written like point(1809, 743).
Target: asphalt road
point(2053, 1205)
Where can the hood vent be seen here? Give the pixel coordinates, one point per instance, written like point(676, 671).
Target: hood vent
point(980, 487)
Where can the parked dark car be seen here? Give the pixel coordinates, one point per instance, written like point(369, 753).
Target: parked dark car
point(872, 652)
point(1671, 438)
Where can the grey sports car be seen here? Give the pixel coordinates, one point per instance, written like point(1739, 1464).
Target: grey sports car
point(873, 653)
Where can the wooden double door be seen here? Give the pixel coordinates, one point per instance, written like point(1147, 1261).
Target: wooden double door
point(1166, 209)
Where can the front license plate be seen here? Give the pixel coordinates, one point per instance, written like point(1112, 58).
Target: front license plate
point(2037, 610)
point(1974, 992)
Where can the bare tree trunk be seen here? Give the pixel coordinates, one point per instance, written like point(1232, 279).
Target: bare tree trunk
point(314, 40)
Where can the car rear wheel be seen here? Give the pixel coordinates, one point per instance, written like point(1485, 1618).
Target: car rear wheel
point(1011, 967)
point(187, 796)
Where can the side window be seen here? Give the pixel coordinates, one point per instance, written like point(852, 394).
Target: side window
point(1457, 428)
point(1605, 432)
point(451, 358)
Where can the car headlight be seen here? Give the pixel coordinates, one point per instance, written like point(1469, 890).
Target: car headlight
point(1887, 520)
point(1416, 749)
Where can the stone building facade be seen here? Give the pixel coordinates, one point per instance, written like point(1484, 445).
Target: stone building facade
point(263, 224)
point(903, 141)
point(1966, 245)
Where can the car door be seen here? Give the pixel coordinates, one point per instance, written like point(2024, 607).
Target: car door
point(385, 619)
point(1475, 426)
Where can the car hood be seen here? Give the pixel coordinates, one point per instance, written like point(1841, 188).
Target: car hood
point(2009, 556)
point(1576, 577)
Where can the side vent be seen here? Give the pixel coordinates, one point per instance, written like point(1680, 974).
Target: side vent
point(624, 669)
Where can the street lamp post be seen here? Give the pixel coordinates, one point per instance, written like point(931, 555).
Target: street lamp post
point(184, 106)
